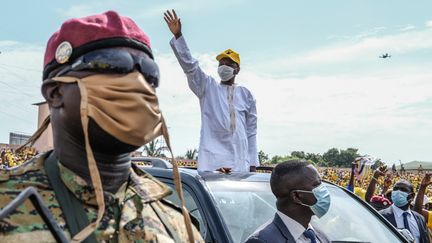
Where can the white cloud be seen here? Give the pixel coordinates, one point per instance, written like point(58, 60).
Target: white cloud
point(7, 43)
point(408, 28)
point(381, 111)
point(142, 10)
point(363, 50)
point(369, 33)
point(186, 6)
point(429, 24)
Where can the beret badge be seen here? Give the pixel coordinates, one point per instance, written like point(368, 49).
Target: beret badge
point(63, 52)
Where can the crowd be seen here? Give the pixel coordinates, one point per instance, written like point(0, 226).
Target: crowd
point(9, 158)
point(403, 198)
point(341, 177)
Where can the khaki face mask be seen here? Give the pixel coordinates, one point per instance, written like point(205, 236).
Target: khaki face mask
point(126, 107)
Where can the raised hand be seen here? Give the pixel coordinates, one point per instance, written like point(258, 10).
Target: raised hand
point(173, 22)
point(381, 171)
point(388, 181)
point(426, 180)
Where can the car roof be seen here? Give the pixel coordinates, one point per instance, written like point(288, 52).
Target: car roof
point(213, 176)
point(216, 176)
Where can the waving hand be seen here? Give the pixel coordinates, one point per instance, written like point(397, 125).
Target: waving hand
point(173, 22)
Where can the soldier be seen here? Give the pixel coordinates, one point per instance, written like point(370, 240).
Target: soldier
point(99, 81)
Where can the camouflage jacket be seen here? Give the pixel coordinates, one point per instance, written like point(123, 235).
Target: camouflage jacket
point(129, 214)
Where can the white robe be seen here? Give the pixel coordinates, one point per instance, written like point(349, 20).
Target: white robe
point(228, 117)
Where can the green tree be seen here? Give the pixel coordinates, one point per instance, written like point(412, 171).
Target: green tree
point(262, 157)
point(347, 157)
point(191, 154)
point(278, 159)
point(340, 158)
point(315, 158)
point(298, 154)
point(275, 159)
point(331, 157)
point(155, 148)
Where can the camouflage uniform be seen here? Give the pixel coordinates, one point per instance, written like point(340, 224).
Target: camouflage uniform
point(129, 216)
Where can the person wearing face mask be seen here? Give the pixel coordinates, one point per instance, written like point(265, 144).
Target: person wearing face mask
point(400, 215)
point(228, 110)
point(300, 195)
point(99, 80)
point(421, 201)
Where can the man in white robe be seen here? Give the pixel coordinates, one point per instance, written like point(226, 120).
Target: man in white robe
point(228, 110)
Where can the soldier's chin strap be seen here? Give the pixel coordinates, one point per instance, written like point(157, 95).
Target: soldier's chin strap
point(36, 135)
point(178, 185)
point(94, 172)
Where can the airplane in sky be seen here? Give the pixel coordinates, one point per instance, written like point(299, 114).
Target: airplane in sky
point(385, 56)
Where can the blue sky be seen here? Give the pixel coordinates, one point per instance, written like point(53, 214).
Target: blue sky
point(313, 67)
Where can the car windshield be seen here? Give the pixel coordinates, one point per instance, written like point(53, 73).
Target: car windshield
point(247, 205)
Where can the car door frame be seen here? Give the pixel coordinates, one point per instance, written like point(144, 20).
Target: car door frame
point(216, 227)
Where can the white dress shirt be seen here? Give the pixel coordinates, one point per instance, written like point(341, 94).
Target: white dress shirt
point(295, 228)
point(398, 213)
point(228, 117)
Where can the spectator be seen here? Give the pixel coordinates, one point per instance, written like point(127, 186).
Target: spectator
point(350, 186)
point(420, 169)
point(420, 202)
point(299, 195)
point(394, 168)
point(379, 203)
point(400, 215)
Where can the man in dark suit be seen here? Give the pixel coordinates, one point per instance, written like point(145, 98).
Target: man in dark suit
point(300, 195)
point(400, 215)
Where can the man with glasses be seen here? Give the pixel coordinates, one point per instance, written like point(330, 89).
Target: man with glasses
point(228, 110)
point(299, 194)
point(99, 80)
point(401, 216)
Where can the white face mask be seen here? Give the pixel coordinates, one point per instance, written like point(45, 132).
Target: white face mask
point(225, 72)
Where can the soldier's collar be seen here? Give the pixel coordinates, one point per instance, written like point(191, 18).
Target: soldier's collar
point(146, 186)
point(84, 191)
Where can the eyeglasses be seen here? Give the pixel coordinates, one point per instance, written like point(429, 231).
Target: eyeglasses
point(116, 60)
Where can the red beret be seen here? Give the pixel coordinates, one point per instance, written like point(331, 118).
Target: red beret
point(93, 32)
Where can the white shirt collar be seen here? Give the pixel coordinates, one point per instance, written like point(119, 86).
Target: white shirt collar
point(399, 211)
point(294, 227)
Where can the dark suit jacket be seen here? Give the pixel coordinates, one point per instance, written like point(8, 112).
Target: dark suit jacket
point(421, 223)
point(275, 231)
